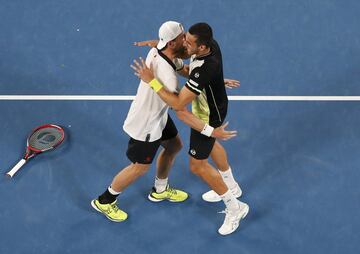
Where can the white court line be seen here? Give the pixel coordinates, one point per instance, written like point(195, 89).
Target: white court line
point(131, 97)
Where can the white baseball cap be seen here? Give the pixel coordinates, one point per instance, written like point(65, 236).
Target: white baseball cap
point(168, 32)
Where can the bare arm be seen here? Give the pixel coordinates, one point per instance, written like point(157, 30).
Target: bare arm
point(149, 43)
point(177, 101)
point(197, 124)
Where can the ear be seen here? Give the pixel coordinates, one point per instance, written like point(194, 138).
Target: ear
point(202, 47)
point(171, 44)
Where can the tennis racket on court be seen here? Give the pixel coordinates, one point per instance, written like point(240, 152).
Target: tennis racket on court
point(41, 139)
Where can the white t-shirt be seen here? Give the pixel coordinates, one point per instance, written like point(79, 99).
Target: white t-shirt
point(148, 114)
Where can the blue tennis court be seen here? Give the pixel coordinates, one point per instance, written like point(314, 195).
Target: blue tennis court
point(297, 161)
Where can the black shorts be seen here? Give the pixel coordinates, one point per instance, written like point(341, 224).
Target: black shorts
point(200, 145)
point(144, 152)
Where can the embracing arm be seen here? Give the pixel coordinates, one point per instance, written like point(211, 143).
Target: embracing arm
point(175, 101)
point(149, 43)
point(197, 124)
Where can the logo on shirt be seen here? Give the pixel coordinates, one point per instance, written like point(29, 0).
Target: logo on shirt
point(197, 75)
point(192, 151)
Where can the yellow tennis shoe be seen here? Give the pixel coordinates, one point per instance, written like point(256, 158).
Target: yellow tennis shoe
point(171, 194)
point(111, 211)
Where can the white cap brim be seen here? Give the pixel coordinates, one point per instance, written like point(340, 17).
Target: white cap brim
point(161, 45)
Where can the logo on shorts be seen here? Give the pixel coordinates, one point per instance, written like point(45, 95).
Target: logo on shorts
point(197, 75)
point(148, 159)
point(192, 151)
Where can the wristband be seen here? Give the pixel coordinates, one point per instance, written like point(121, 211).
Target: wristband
point(155, 85)
point(207, 130)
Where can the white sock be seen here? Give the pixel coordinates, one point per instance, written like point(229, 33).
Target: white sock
point(230, 201)
point(228, 178)
point(160, 184)
point(112, 191)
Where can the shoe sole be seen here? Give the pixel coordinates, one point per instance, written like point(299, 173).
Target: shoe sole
point(247, 208)
point(97, 209)
point(159, 200)
point(218, 200)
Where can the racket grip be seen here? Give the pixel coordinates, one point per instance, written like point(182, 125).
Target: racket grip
point(16, 168)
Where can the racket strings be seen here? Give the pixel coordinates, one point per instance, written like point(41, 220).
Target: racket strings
point(45, 138)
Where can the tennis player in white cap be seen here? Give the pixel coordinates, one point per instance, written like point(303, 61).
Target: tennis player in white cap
point(149, 126)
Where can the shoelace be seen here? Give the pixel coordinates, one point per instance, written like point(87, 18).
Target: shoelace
point(172, 191)
point(114, 207)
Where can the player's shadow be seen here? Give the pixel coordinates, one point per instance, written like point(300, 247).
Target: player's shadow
point(282, 138)
point(296, 137)
point(67, 177)
point(82, 165)
point(286, 144)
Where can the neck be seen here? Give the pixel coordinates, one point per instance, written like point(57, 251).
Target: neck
point(167, 52)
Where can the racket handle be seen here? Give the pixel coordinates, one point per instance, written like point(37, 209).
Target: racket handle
point(16, 168)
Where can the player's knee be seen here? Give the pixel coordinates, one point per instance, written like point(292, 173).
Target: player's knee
point(178, 145)
point(141, 169)
point(196, 166)
point(175, 146)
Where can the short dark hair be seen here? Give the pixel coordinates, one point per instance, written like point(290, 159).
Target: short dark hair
point(203, 33)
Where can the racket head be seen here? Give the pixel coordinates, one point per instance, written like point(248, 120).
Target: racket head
point(44, 138)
